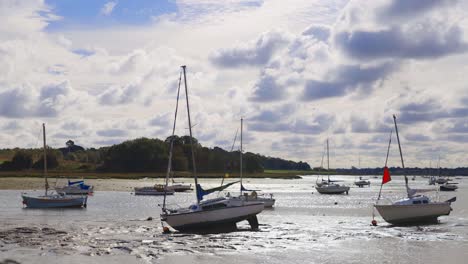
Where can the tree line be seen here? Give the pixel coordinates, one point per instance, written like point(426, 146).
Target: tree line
point(149, 155)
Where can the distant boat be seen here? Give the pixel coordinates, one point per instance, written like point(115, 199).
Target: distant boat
point(49, 200)
point(157, 189)
point(448, 187)
point(179, 187)
point(414, 209)
point(362, 182)
point(331, 187)
point(75, 187)
point(212, 215)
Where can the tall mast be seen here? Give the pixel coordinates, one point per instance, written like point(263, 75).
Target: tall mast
point(401, 156)
point(169, 165)
point(45, 158)
point(328, 161)
point(191, 141)
point(241, 155)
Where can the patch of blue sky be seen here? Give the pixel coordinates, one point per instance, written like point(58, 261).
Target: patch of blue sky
point(89, 13)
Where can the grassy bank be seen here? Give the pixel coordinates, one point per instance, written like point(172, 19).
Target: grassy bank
point(107, 175)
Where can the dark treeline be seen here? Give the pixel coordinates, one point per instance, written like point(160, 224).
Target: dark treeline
point(147, 155)
point(462, 171)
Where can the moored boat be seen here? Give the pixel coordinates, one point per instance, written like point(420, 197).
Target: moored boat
point(212, 215)
point(330, 186)
point(50, 200)
point(416, 208)
point(362, 182)
point(157, 189)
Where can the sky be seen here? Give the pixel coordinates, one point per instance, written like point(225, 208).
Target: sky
point(102, 72)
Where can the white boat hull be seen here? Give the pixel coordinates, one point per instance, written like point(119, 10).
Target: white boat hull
point(267, 202)
point(203, 219)
point(413, 213)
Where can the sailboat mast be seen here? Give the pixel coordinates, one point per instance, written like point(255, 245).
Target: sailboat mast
point(242, 121)
point(191, 140)
point(328, 161)
point(169, 165)
point(45, 158)
point(401, 155)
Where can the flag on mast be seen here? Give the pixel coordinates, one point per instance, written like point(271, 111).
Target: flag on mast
point(386, 175)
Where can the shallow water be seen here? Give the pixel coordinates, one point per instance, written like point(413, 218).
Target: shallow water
point(304, 227)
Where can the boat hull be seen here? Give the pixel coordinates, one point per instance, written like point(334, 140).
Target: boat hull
point(332, 190)
point(448, 188)
point(206, 220)
point(179, 187)
point(413, 213)
point(362, 183)
point(154, 193)
point(57, 202)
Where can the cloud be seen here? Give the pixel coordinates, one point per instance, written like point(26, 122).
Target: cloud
point(410, 9)
point(163, 120)
point(254, 53)
point(120, 95)
point(108, 7)
point(426, 41)
point(268, 90)
point(27, 101)
point(113, 132)
point(417, 137)
point(346, 79)
point(319, 32)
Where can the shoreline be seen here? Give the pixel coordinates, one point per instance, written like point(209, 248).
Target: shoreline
point(152, 175)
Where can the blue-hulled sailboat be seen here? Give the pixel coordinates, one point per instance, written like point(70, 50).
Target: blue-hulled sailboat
point(50, 200)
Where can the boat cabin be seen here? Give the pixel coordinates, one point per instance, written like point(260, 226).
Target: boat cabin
point(419, 199)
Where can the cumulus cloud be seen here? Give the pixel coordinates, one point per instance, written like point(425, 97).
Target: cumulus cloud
point(27, 101)
point(410, 9)
point(108, 7)
point(346, 79)
point(267, 90)
point(254, 53)
point(426, 41)
point(319, 32)
point(113, 132)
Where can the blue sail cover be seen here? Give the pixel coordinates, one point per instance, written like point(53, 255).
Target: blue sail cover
point(79, 183)
point(73, 183)
point(201, 192)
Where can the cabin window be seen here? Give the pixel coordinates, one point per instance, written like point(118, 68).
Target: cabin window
point(425, 202)
point(416, 202)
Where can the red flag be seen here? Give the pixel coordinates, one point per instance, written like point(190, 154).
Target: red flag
point(386, 175)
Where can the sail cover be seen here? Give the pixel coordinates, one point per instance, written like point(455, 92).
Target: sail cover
point(76, 182)
point(201, 192)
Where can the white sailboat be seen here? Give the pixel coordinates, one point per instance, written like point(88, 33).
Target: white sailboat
point(50, 200)
point(362, 182)
point(331, 187)
point(415, 208)
point(213, 215)
point(253, 196)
